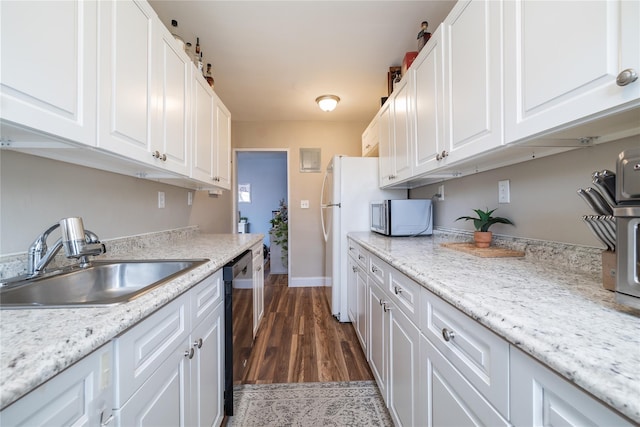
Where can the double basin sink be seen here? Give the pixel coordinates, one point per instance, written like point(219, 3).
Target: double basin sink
point(101, 284)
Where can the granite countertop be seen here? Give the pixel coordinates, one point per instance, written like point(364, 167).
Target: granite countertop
point(37, 344)
point(561, 317)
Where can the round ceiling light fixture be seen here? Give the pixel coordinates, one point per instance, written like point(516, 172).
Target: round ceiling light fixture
point(327, 102)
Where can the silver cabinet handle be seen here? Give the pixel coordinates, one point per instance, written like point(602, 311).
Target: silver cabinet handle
point(189, 353)
point(397, 290)
point(355, 269)
point(259, 268)
point(381, 302)
point(386, 308)
point(198, 343)
point(155, 154)
point(626, 77)
point(447, 334)
point(360, 257)
point(374, 269)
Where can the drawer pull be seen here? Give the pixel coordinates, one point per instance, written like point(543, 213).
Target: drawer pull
point(198, 343)
point(374, 269)
point(355, 269)
point(360, 257)
point(397, 290)
point(189, 353)
point(447, 334)
point(386, 308)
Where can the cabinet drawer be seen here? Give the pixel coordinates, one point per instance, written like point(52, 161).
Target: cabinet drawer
point(140, 351)
point(481, 356)
point(359, 254)
point(205, 296)
point(377, 269)
point(256, 251)
point(540, 395)
point(405, 293)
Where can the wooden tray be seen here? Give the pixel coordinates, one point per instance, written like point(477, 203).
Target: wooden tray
point(490, 252)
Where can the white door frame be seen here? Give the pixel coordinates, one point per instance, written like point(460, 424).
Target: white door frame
point(234, 192)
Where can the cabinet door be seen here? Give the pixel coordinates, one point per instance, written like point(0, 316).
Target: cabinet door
point(207, 370)
point(402, 130)
point(562, 60)
point(163, 398)
point(362, 291)
point(386, 144)
point(404, 350)
point(540, 397)
point(170, 132)
point(258, 292)
point(222, 155)
point(48, 67)
point(429, 109)
point(472, 35)
point(450, 399)
point(79, 396)
point(126, 86)
point(379, 337)
point(370, 138)
point(204, 130)
point(352, 290)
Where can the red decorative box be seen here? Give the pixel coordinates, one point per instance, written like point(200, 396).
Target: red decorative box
point(409, 57)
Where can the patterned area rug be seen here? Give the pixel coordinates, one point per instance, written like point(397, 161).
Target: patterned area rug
point(353, 403)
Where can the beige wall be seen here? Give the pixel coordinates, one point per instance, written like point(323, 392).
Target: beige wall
point(544, 204)
point(306, 245)
point(37, 192)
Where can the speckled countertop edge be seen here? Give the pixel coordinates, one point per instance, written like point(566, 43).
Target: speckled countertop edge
point(35, 345)
point(560, 316)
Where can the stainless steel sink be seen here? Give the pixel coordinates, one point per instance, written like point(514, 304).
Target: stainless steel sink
point(103, 283)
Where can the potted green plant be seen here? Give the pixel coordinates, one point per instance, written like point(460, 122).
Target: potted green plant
point(280, 230)
point(482, 236)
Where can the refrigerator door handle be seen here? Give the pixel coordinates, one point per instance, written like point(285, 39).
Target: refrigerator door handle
point(323, 206)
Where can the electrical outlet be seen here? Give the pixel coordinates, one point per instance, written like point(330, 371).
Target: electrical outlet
point(304, 204)
point(441, 192)
point(189, 198)
point(504, 193)
point(160, 199)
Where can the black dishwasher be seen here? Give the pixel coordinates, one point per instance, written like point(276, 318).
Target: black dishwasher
point(238, 323)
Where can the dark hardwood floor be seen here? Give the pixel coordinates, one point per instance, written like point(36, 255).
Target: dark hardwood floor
point(299, 340)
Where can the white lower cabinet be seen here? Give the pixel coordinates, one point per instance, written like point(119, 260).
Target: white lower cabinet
point(447, 397)
point(352, 296)
point(81, 395)
point(258, 286)
point(169, 368)
point(379, 338)
point(540, 397)
point(404, 357)
point(362, 291)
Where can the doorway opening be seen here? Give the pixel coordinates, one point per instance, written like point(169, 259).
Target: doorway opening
point(262, 186)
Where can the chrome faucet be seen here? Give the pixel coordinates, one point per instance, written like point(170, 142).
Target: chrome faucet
point(77, 242)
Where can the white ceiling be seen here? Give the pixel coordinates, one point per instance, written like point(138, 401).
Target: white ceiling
point(271, 59)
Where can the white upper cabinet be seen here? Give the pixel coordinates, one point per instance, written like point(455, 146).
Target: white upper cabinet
point(429, 109)
point(473, 38)
point(562, 61)
point(370, 138)
point(170, 134)
point(204, 128)
point(385, 148)
point(222, 149)
point(126, 85)
point(48, 67)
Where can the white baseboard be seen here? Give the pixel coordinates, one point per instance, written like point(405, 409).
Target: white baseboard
point(302, 282)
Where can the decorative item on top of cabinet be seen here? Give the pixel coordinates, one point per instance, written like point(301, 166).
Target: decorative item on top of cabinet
point(174, 33)
point(482, 236)
point(423, 35)
point(208, 76)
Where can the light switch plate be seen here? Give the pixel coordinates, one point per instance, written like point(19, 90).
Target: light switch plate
point(304, 204)
point(504, 193)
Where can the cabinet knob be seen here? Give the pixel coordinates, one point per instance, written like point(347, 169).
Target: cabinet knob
point(355, 269)
point(447, 334)
point(164, 158)
point(360, 257)
point(397, 290)
point(381, 302)
point(626, 77)
point(386, 308)
point(197, 343)
point(444, 154)
point(189, 353)
point(374, 269)
point(155, 154)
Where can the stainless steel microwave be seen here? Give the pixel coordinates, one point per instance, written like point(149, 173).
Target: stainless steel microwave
point(406, 217)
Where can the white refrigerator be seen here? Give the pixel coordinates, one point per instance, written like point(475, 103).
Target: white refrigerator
point(349, 184)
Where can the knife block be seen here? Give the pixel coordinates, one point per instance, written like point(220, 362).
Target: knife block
point(609, 262)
